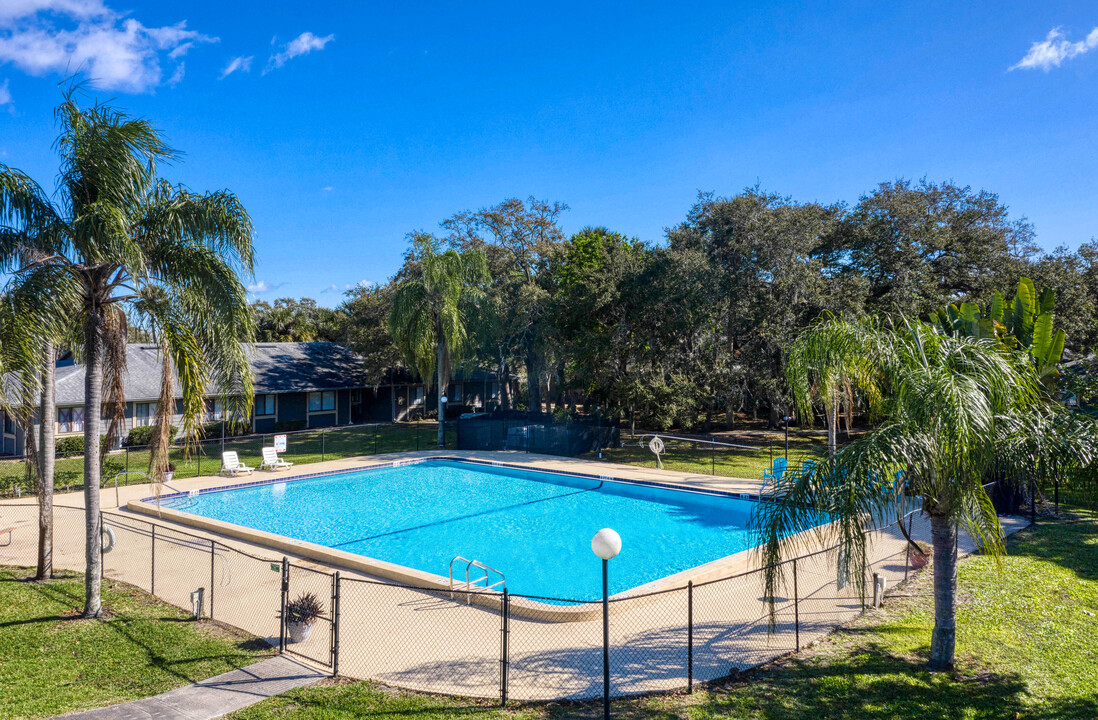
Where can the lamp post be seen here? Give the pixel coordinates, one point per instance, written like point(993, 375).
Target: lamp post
point(442, 421)
point(606, 544)
point(787, 419)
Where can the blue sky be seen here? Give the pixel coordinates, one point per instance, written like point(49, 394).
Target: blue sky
point(343, 126)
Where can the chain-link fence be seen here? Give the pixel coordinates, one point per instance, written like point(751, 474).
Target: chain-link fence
point(710, 455)
point(484, 644)
point(204, 458)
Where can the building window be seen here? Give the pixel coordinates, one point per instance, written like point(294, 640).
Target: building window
point(322, 401)
point(9, 424)
point(417, 396)
point(215, 410)
point(70, 420)
point(144, 414)
point(264, 405)
point(454, 395)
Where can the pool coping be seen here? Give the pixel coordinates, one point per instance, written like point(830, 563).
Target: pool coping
point(719, 568)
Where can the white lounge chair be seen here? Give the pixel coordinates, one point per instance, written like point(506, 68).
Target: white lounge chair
point(271, 461)
point(230, 463)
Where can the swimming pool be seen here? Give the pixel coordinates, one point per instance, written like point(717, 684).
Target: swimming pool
point(533, 526)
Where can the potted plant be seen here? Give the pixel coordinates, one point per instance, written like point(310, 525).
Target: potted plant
point(168, 473)
point(301, 612)
point(918, 558)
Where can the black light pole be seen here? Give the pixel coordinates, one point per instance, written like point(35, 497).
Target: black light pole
point(787, 419)
point(606, 544)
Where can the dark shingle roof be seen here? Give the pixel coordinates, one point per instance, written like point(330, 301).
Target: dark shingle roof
point(278, 368)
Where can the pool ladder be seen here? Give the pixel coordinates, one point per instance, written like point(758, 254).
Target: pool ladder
point(474, 582)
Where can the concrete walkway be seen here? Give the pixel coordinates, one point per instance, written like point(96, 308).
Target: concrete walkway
point(214, 697)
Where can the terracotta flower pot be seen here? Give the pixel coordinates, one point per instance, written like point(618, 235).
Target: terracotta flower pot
point(917, 560)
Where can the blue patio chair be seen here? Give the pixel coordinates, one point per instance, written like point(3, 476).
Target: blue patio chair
point(777, 470)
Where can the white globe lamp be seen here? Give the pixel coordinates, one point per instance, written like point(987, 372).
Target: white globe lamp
point(606, 544)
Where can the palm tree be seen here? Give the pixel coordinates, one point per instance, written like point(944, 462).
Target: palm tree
point(826, 363)
point(428, 320)
point(116, 245)
point(958, 412)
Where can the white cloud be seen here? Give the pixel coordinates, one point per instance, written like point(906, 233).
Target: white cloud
point(329, 188)
point(114, 52)
point(1055, 49)
point(243, 64)
point(82, 9)
point(363, 284)
point(5, 94)
point(330, 289)
point(263, 287)
point(303, 44)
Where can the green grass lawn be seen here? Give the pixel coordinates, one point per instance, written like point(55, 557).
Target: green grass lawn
point(53, 662)
point(704, 459)
point(1027, 649)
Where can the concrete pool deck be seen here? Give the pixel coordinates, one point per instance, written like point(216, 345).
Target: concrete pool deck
point(423, 640)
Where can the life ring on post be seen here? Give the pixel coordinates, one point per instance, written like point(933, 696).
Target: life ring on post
point(656, 446)
point(109, 544)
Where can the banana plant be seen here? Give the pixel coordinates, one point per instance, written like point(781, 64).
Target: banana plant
point(1024, 323)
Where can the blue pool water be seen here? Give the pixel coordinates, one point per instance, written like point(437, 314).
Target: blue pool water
point(534, 527)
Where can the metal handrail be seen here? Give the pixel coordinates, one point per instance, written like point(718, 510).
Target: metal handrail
point(662, 436)
point(469, 583)
point(144, 475)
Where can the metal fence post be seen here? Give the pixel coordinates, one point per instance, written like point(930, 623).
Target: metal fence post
point(796, 608)
point(323, 444)
point(198, 449)
point(907, 547)
point(1032, 502)
point(504, 648)
point(690, 637)
point(712, 457)
point(377, 428)
point(213, 546)
point(152, 564)
point(127, 463)
point(335, 624)
point(285, 590)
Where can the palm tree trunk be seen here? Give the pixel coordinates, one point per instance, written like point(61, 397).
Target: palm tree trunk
point(441, 390)
point(943, 639)
point(47, 414)
point(93, 400)
point(832, 425)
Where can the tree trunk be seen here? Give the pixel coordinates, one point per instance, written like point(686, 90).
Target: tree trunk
point(533, 384)
point(943, 639)
point(442, 386)
point(504, 387)
point(832, 425)
point(47, 414)
point(93, 400)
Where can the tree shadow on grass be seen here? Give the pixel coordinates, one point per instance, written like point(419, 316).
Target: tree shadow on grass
point(874, 684)
point(1069, 542)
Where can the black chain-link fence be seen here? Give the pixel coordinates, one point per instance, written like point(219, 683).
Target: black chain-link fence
point(477, 643)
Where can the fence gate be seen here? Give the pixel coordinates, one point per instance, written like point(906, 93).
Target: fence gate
point(316, 643)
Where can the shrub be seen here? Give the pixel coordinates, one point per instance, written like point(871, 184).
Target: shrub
point(304, 609)
point(289, 425)
point(72, 445)
point(140, 436)
point(212, 430)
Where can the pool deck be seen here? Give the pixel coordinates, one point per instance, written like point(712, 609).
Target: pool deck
point(423, 640)
point(533, 461)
